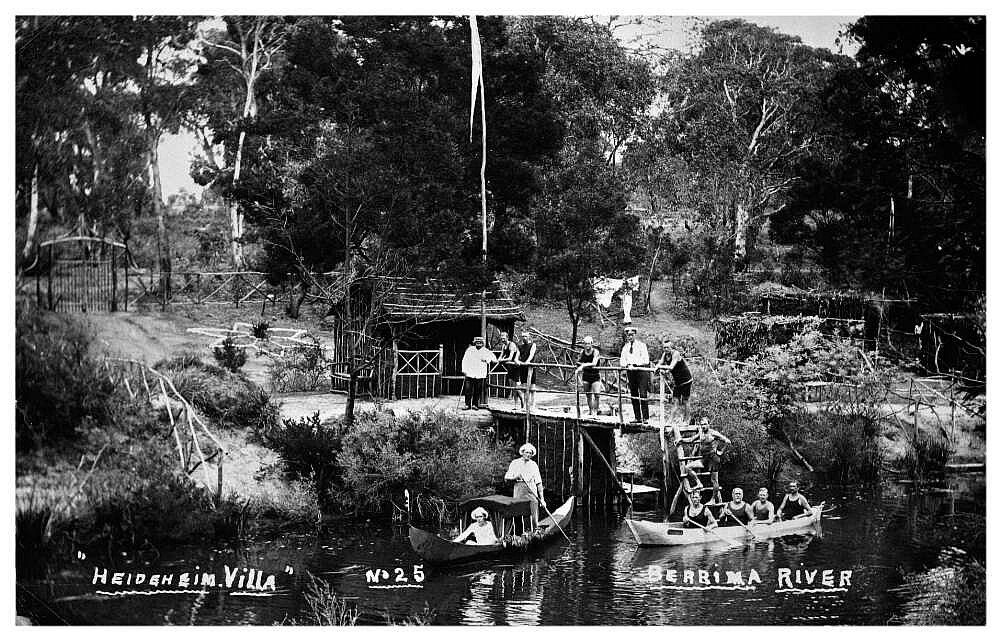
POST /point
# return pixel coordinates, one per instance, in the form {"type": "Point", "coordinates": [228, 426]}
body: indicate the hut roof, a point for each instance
{"type": "Point", "coordinates": [408, 299]}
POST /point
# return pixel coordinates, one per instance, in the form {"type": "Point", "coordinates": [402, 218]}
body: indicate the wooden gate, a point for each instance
{"type": "Point", "coordinates": [81, 274]}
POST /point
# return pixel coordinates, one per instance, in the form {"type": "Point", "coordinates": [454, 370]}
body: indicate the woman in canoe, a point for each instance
{"type": "Point", "coordinates": [528, 480]}
{"type": "Point", "coordinates": [736, 511]}
{"type": "Point", "coordinates": [480, 531]}
{"type": "Point", "coordinates": [763, 509]}
{"type": "Point", "coordinates": [794, 505]}
{"type": "Point", "coordinates": [698, 515]}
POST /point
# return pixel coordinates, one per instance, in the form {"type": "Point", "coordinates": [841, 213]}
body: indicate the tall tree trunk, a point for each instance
{"type": "Point", "coordinates": [352, 385]}
{"type": "Point", "coordinates": [163, 257]}
{"type": "Point", "coordinates": [741, 232]}
{"type": "Point", "coordinates": [574, 318]}
{"type": "Point", "coordinates": [29, 238]}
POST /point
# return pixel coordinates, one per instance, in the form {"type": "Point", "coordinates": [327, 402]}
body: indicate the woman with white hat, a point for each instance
{"type": "Point", "coordinates": [528, 480]}
{"type": "Point", "coordinates": [480, 529]}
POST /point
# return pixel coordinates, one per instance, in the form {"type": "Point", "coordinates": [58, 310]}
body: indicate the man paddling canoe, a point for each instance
{"type": "Point", "coordinates": [794, 505]}
{"type": "Point", "coordinates": [698, 515]}
{"type": "Point", "coordinates": [763, 509]}
{"type": "Point", "coordinates": [736, 511]}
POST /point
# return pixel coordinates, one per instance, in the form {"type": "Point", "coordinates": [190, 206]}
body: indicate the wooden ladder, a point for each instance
{"type": "Point", "coordinates": [682, 475]}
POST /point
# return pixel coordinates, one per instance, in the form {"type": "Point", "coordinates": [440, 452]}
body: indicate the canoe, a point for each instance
{"type": "Point", "coordinates": [650, 533]}
{"type": "Point", "coordinates": [436, 550]}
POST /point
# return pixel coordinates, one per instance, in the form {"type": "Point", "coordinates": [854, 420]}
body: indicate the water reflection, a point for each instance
{"type": "Point", "coordinates": [601, 577]}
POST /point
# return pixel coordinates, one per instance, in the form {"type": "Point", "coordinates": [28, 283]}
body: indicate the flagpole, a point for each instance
{"type": "Point", "coordinates": [477, 83]}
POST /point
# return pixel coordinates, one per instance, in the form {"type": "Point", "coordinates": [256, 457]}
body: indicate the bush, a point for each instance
{"type": "Point", "coordinates": [227, 398]}
{"type": "Point", "coordinates": [230, 356]}
{"type": "Point", "coordinates": [426, 452]}
{"type": "Point", "coordinates": [325, 607]}
{"type": "Point", "coordinates": [953, 593]}
{"type": "Point", "coordinates": [303, 368]}
{"type": "Point", "coordinates": [60, 387]}
{"type": "Point", "coordinates": [309, 451]}
{"type": "Point", "coordinates": [926, 454]}
{"type": "Point", "coordinates": [844, 444]}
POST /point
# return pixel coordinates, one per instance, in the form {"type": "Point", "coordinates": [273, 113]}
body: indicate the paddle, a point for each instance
{"type": "Point", "coordinates": [752, 535]}
{"type": "Point", "coordinates": [531, 492]}
{"type": "Point", "coordinates": [720, 537]}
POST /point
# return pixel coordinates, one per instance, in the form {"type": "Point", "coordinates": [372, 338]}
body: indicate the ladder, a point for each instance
{"type": "Point", "coordinates": [680, 431]}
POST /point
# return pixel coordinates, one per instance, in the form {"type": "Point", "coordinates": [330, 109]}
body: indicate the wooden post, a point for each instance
{"type": "Point", "coordinates": [621, 413]}
{"type": "Point", "coordinates": [607, 464]}
{"type": "Point", "coordinates": [114, 280]}
{"type": "Point", "coordinates": [218, 492]}
{"type": "Point", "coordinates": [52, 264]}
{"type": "Point", "coordinates": [576, 379]}
{"type": "Point", "coordinates": [125, 259]}
{"type": "Point", "coordinates": [663, 440]}
{"type": "Point", "coordinates": [395, 366]}
{"type": "Point", "coordinates": [441, 371]}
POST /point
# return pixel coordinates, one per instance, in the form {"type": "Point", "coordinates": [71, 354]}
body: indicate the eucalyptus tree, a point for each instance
{"type": "Point", "coordinates": [740, 111]}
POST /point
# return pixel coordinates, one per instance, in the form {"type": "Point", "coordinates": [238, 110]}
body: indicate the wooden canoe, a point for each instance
{"type": "Point", "coordinates": [436, 550]}
{"type": "Point", "coordinates": [650, 533]}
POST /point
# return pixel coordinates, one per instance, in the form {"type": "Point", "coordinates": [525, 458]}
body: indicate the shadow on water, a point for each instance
{"type": "Point", "coordinates": [877, 537]}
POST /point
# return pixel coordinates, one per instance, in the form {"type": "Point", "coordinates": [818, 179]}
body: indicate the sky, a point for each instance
{"type": "Point", "coordinates": [176, 151]}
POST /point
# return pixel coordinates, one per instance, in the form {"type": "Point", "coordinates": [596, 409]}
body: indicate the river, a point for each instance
{"type": "Point", "coordinates": [875, 536]}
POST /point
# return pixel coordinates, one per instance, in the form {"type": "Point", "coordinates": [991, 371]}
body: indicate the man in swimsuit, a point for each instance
{"type": "Point", "coordinates": [794, 505]}
{"type": "Point", "coordinates": [673, 361]}
{"type": "Point", "coordinates": [525, 373]}
{"type": "Point", "coordinates": [508, 352]}
{"type": "Point", "coordinates": [711, 457]}
{"type": "Point", "coordinates": [763, 509]}
{"type": "Point", "coordinates": [590, 377]}
{"type": "Point", "coordinates": [697, 514]}
{"type": "Point", "coordinates": [736, 511]}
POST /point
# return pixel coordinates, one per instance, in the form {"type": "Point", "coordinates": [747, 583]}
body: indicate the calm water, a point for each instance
{"type": "Point", "coordinates": [599, 578]}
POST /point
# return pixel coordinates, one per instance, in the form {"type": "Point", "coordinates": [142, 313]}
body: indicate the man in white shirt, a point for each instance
{"type": "Point", "coordinates": [476, 366]}
{"type": "Point", "coordinates": [635, 355]}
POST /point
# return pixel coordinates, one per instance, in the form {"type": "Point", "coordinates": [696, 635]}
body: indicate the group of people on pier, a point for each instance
{"type": "Point", "coordinates": [518, 359]}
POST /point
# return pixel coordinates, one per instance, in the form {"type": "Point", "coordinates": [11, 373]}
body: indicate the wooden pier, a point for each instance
{"type": "Point", "coordinates": [577, 451]}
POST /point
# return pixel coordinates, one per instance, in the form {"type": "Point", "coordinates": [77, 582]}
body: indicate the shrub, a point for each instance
{"type": "Point", "coordinates": [953, 593]}
{"type": "Point", "coordinates": [309, 451]}
{"type": "Point", "coordinates": [845, 444]}
{"type": "Point", "coordinates": [260, 330]}
{"type": "Point", "coordinates": [429, 452]}
{"type": "Point", "coordinates": [325, 607]}
{"type": "Point", "coordinates": [230, 356]}
{"type": "Point", "coordinates": [227, 398]}
{"type": "Point", "coordinates": [60, 387]}
{"type": "Point", "coordinates": [303, 368]}
{"type": "Point", "coordinates": [926, 453]}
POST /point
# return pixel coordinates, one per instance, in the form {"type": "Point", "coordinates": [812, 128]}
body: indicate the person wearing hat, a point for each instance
{"type": "Point", "coordinates": [794, 505]}
{"type": "Point", "coordinates": [590, 377]}
{"type": "Point", "coordinates": [476, 366]}
{"type": "Point", "coordinates": [480, 530]}
{"type": "Point", "coordinates": [524, 373]}
{"type": "Point", "coordinates": [672, 361]}
{"type": "Point", "coordinates": [528, 480]}
{"type": "Point", "coordinates": [635, 356]}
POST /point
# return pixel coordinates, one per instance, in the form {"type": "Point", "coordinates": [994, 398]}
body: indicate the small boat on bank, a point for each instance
{"type": "Point", "coordinates": [651, 533]}
{"type": "Point", "coordinates": [509, 517]}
